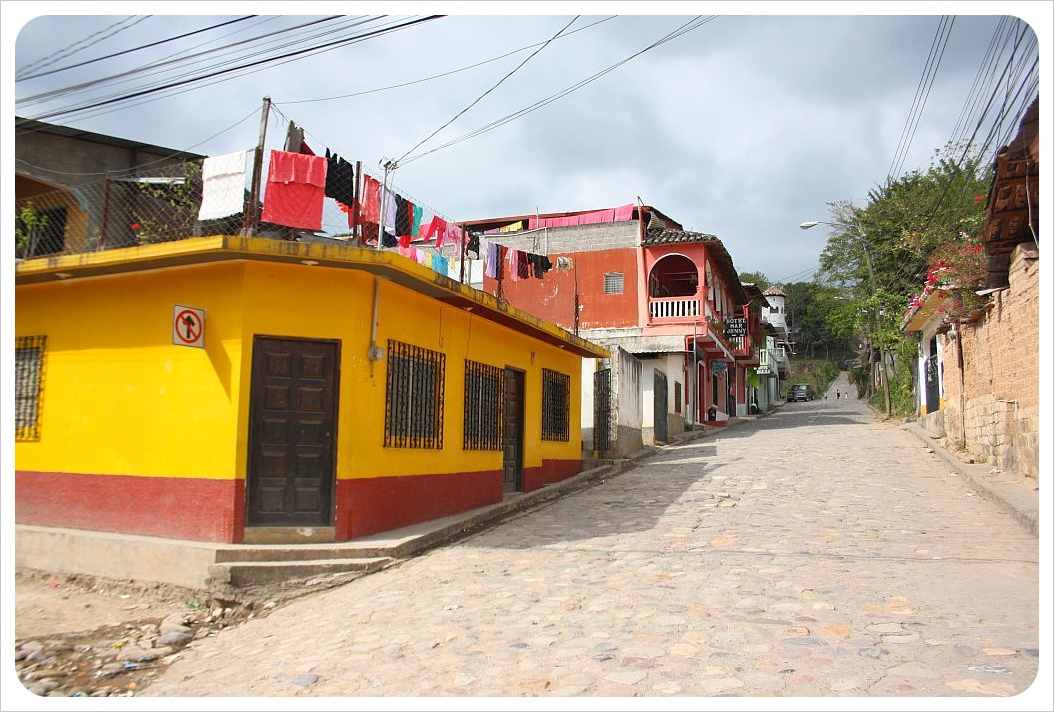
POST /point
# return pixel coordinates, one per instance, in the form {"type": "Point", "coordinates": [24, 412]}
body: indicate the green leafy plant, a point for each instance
{"type": "Point", "coordinates": [168, 211]}
{"type": "Point", "coordinates": [29, 224]}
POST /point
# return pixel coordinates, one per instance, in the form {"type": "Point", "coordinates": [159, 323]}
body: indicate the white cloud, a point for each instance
{"type": "Point", "coordinates": [743, 127]}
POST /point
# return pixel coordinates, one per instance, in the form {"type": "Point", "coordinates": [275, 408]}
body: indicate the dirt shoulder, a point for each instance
{"type": "Point", "coordinates": [48, 603]}
{"type": "Point", "coordinates": [81, 636]}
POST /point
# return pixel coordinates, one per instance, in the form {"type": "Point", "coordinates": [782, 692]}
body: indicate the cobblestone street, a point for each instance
{"type": "Point", "coordinates": [816, 552]}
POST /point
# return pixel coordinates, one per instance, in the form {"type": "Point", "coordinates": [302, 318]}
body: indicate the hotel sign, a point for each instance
{"type": "Point", "coordinates": [735, 327]}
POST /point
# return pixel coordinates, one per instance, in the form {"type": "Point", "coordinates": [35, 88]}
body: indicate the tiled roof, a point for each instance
{"type": "Point", "coordinates": [718, 254]}
{"type": "Point", "coordinates": [1013, 200]}
{"type": "Point", "coordinates": [663, 236]}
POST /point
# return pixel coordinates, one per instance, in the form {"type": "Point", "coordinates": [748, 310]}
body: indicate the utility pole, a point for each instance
{"type": "Point", "coordinates": [874, 290]}
{"type": "Point", "coordinates": [251, 218]}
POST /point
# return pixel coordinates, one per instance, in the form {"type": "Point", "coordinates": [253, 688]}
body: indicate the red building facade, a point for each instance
{"type": "Point", "coordinates": [632, 277]}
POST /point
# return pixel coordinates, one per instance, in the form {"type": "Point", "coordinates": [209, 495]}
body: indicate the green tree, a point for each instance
{"type": "Point", "coordinates": [880, 255]}
{"type": "Point", "coordinates": [167, 210]}
{"type": "Point", "coordinates": [29, 226]}
{"type": "Point", "coordinates": [758, 279]}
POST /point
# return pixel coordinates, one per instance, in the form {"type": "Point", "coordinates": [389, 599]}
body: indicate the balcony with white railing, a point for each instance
{"type": "Point", "coordinates": [673, 308]}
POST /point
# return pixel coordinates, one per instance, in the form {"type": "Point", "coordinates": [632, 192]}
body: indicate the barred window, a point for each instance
{"type": "Point", "coordinates": [613, 283]}
{"type": "Point", "coordinates": [484, 396]}
{"type": "Point", "coordinates": [29, 386]}
{"type": "Point", "coordinates": [556, 405]}
{"type": "Point", "coordinates": [413, 415]}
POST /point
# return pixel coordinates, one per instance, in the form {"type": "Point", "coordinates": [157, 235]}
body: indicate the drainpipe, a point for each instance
{"type": "Point", "coordinates": [375, 352]}
{"type": "Point", "coordinates": [695, 372]}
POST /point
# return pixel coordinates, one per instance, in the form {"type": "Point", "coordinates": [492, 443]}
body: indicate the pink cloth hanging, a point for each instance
{"type": "Point", "coordinates": [607, 215]}
{"type": "Point", "coordinates": [371, 199]}
{"type": "Point", "coordinates": [296, 190]}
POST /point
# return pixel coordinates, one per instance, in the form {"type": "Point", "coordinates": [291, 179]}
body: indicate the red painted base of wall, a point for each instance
{"type": "Point", "coordinates": [374, 505]}
{"type": "Point", "coordinates": [214, 510]}
{"type": "Point", "coordinates": [550, 471]}
{"type": "Point", "coordinates": [174, 507]}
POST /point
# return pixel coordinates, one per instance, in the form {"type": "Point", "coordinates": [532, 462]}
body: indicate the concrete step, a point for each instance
{"type": "Point", "coordinates": [244, 574]}
{"type": "Point", "coordinates": [282, 553]}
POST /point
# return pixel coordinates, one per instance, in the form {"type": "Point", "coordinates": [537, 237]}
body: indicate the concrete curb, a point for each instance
{"type": "Point", "coordinates": [1019, 499]}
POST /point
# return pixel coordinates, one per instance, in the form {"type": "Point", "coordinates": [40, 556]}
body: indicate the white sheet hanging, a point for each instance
{"type": "Point", "coordinates": [222, 185]}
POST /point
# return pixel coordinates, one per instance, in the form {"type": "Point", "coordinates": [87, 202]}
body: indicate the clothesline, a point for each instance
{"type": "Point", "coordinates": [303, 145]}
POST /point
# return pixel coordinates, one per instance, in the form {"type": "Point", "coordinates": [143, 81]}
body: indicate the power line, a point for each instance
{"type": "Point", "coordinates": [140, 166]}
{"type": "Point", "coordinates": [443, 74]}
{"type": "Point", "coordinates": [1024, 91]}
{"type": "Point", "coordinates": [134, 49]}
{"type": "Point", "coordinates": [683, 29]}
{"type": "Point", "coordinates": [480, 98]}
{"type": "Point", "coordinates": [921, 94]}
{"type": "Point", "coordinates": [178, 58]}
{"type": "Point", "coordinates": [90, 113]}
{"type": "Point", "coordinates": [79, 45]}
{"type": "Point", "coordinates": [290, 56]}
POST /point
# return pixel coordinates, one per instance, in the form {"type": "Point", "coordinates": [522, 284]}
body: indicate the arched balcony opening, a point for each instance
{"type": "Point", "coordinates": [673, 288]}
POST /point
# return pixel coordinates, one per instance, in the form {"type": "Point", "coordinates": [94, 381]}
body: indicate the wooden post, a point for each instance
{"type": "Point", "coordinates": [355, 205]}
{"type": "Point", "coordinates": [105, 211]}
{"type": "Point", "coordinates": [251, 218]}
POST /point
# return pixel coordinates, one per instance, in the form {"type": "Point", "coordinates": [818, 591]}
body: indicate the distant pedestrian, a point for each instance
{"type": "Point", "coordinates": [837, 394]}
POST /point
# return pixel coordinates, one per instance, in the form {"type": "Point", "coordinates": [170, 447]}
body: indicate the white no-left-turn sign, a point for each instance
{"type": "Point", "coordinates": [188, 326]}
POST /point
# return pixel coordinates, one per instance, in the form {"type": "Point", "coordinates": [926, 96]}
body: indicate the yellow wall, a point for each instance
{"type": "Point", "coordinates": [121, 398]}
{"type": "Point", "coordinates": [329, 303]}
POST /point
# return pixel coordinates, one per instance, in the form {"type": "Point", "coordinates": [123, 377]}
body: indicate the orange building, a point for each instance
{"type": "Point", "coordinates": [632, 278]}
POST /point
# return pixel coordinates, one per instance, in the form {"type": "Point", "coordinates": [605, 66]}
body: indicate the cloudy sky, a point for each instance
{"type": "Point", "coordinates": [742, 125]}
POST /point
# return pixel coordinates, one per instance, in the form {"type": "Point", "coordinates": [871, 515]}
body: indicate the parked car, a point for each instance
{"type": "Point", "coordinates": [801, 392]}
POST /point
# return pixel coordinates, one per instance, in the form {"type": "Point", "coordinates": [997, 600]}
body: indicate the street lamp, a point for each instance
{"type": "Point", "coordinates": [874, 290]}
{"type": "Point", "coordinates": [863, 243]}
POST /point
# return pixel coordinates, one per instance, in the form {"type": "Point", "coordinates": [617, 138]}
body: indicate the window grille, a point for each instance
{"type": "Point", "coordinates": [676, 396]}
{"type": "Point", "coordinates": [556, 405]}
{"type": "Point", "coordinates": [613, 283]}
{"type": "Point", "coordinates": [29, 386]}
{"type": "Point", "coordinates": [413, 415]}
{"type": "Point", "coordinates": [602, 409]}
{"type": "Point", "coordinates": [484, 399]}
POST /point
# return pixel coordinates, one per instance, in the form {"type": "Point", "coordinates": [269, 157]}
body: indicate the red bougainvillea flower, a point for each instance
{"type": "Point", "coordinates": [135, 226]}
{"type": "Point", "coordinates": [979, 197]}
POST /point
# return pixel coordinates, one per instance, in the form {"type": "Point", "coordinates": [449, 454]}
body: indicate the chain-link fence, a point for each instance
{"type": "Point", "coordinates": [162, 203]}
{"type": "Point", "coordinates": [121, 210]}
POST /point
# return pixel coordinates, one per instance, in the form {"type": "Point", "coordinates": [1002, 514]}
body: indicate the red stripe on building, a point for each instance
{"type": "Point", "coordinates": [549, 472]}
{"type": "Point", "coordinates": [173, 507]}
{"type": "Point", "coordinates": [368, 506]}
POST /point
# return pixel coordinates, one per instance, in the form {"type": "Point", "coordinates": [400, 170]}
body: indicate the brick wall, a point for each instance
{"type": "Point", "coordinates": [995, 410]}
{"type": "Point", "coordinates": [594, 237]}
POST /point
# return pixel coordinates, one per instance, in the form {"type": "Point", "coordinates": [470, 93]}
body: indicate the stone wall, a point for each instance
{"type": "Point", "coordinates": [992, 404]}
